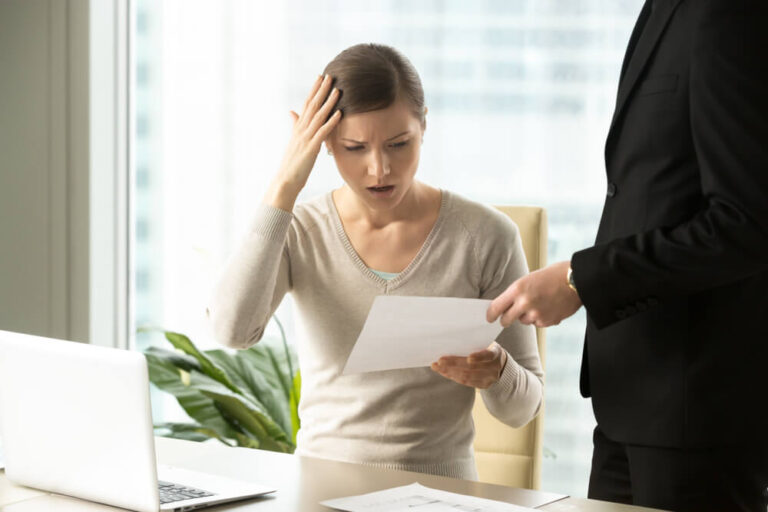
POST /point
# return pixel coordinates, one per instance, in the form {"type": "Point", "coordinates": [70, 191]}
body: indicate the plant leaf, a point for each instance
{"type": "Point", "coordinates": [184, 344]}
{"type": "Point", "coordinates": [258, 383]}
{"type": "Point", "coordinates": [165, 376]}
{"type": "Point", "coordinates": [247, 441]}
{"type": "Point", "coordinates": [270, 436]}
{"type": "Point", "coordinates": [174, 357]}
{"type": "Point", "coordinates": [249, 416]}
{"type": "Point", "coordinates": [294, 405]}
{"type": "Point", "coordinates": [249, 398]}
{"type": "Point", "coordinates": [188, 432]}
{"type": "Point", "coordinates": [287, 353]}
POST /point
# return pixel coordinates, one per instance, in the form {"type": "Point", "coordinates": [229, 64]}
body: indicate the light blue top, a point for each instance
{"type": "Point", "coordinates": [387, 276]}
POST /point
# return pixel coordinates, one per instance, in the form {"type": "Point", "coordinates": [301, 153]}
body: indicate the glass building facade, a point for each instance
{"type": "Point", "coordinates": [520, 95]}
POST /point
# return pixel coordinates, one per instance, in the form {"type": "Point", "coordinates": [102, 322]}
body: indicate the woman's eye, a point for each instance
{"type": "Point", "coordinates": [353, 148]}
{"type": "Point", "coordinates": [400, 144]}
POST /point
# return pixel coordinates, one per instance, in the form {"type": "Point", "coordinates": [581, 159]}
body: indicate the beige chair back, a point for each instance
{"type": "Point", "coordinates": [506, 455]}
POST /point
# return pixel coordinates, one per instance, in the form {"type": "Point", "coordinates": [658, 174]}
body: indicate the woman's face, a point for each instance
{"type": "Point", "coordinates": [377, 153]}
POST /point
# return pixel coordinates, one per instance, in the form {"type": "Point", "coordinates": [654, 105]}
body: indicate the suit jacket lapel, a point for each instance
{"type": "Point", "coordinates": [642, 19]}
{"type": "Point", "coordinates": [654, 27]}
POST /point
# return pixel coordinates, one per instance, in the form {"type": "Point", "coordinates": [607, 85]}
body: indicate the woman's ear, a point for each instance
{"type": "Point", "coordinates": [424, 122]}
{"type": "Point", "coordinates": [328, 145]}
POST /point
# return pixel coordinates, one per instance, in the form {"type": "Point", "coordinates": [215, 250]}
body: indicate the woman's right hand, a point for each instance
{"type": "Point", "coordinates": [310, 129]}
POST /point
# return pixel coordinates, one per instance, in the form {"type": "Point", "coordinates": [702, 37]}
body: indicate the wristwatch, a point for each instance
{"type": "Point", "coordinates": [569, 277]}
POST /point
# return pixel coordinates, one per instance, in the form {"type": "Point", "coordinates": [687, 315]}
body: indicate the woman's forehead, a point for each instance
{"type": "Point", "coordinates": [378, 124]}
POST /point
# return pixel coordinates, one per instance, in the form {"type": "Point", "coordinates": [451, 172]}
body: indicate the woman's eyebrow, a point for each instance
{"type": "Point", "coordinates": [361, 142]}
{"type": "Point", "coordinates": [399, 135]}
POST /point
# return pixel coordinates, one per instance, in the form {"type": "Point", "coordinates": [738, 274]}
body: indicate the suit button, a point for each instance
{"type": "Point", "coordinates": [611, 190]}
{"type": "Point", "coordinates": [653, 301]}
{"type": "Point", "coordinates": [621, 314]}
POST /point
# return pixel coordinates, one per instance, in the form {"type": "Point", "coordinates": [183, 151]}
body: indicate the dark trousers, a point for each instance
{"type": "Point", "coordinates": [721, 479]}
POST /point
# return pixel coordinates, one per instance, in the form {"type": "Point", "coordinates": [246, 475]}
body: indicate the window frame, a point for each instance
{"type": "Point", "coordinates": [110, 125]}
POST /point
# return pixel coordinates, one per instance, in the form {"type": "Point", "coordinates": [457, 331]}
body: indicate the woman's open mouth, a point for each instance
{"type": "Point", "coordinates": [383, 191]}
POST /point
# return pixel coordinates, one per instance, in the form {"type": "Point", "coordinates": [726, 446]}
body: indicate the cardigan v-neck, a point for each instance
{"type": "Point", "coordinates": [401, 276]}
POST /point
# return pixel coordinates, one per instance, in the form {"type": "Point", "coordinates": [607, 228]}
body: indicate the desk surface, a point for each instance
{"type": "Point", "coordinates": [302, 483]}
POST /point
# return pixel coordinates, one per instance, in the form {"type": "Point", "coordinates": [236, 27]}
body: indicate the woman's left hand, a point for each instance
{"type": "Point", "coordinates": [478, 370]}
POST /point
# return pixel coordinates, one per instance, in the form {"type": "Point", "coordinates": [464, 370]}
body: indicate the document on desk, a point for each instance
{"type": "Point", "coordinates": [409, 332]}
{"type": "Point", "coordinates": [418, 498]}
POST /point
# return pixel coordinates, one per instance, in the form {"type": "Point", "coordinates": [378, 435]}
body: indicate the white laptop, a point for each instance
{"type": "Point", "coordinates": [75, 419]}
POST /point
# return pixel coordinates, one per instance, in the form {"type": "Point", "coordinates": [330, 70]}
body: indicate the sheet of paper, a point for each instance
{"type": "Point", "coordinates": [409, 332]}
{"type": "Point", "coordinates": [418, 498]}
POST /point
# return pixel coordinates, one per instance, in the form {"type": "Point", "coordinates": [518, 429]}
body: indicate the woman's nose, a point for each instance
{"type": "Point", "coordinates": [378, 164]}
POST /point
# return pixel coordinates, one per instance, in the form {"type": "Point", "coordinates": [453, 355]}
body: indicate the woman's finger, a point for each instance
{"type": "Point", "coordinates": [483, 356]}
{"type": "Point", "coordinates": [488, 362]}
{"type": "Point", "coordinates": [453, 362]}
{"type": "Point", "coordinates": [327, 128]}
{"type": "Point", "coordinates": [318, 82]}
{"type": "Point", "coordinates": [317, 101]}
{"type": "Point", "coordinates": [321, 116]}
{"type": "Point", "coordinates": [476, 379]}
{"type": "Point", "coordinates": [481, 379]}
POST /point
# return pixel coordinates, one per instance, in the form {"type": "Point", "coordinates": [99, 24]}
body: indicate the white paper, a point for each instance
{"type": "Point", "coordinates": [418, 498]}
{"type": "Point", "coordinates": [409, 332]}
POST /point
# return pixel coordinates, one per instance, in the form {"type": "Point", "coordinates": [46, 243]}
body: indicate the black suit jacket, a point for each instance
{"type": "Point", "coordinates": [676, 286]}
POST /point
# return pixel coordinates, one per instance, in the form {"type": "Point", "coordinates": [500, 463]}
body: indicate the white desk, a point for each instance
{"type": "Point", "coordinates": [302, 482]}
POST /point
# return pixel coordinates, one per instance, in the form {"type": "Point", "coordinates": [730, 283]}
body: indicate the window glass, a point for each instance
{"type": "Point", "coordinates": [520, 95]}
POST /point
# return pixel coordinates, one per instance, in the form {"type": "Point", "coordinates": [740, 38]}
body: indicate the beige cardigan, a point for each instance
{"type": "Point", "coordinates": [411, 419]}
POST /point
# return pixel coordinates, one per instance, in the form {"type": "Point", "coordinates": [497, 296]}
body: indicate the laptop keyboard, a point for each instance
{"type": "Point", "coordinates": [170, 492]}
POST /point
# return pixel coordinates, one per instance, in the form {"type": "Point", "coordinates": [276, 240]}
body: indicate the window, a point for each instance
{"type": "Point", "coordinates": [520, 94]}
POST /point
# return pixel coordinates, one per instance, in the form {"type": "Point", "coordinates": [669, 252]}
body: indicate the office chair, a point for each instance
{"type": "Point", "coordinates": [506, 455]}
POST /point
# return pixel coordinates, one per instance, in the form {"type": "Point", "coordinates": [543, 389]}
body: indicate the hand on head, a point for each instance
{"type": "Point", "coordinates": [310, 129]}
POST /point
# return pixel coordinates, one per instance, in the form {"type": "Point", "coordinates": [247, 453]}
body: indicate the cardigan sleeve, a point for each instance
{"type": "Point", "coordinates": [516, 397]}
{"type": "Point", "coordinates": [254, 281]}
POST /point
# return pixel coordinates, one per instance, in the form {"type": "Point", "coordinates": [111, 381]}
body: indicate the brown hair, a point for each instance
{"type": "Point", "coordinates": [372, 77]}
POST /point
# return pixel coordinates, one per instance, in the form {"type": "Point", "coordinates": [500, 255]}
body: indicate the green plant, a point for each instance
{"type": "Point", "coordinates": [249, 398]}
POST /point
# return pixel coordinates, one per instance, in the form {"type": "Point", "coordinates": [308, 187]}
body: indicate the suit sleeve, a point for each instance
{"type": "Point", "coordinates": [727, 240]}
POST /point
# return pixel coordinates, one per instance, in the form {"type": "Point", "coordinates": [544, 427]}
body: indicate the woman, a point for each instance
{"type": "Point", "coordinates": [381, 233]}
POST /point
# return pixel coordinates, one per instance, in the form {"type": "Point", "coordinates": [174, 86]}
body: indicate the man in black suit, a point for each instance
{"type": "Point", "coordinates": [676, 285]}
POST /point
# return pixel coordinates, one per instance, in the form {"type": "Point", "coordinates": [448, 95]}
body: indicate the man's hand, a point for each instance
{"type": "Point", "coordinates": [478, 370]}
{"type": "Point", "coordinates": [542, 298]}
